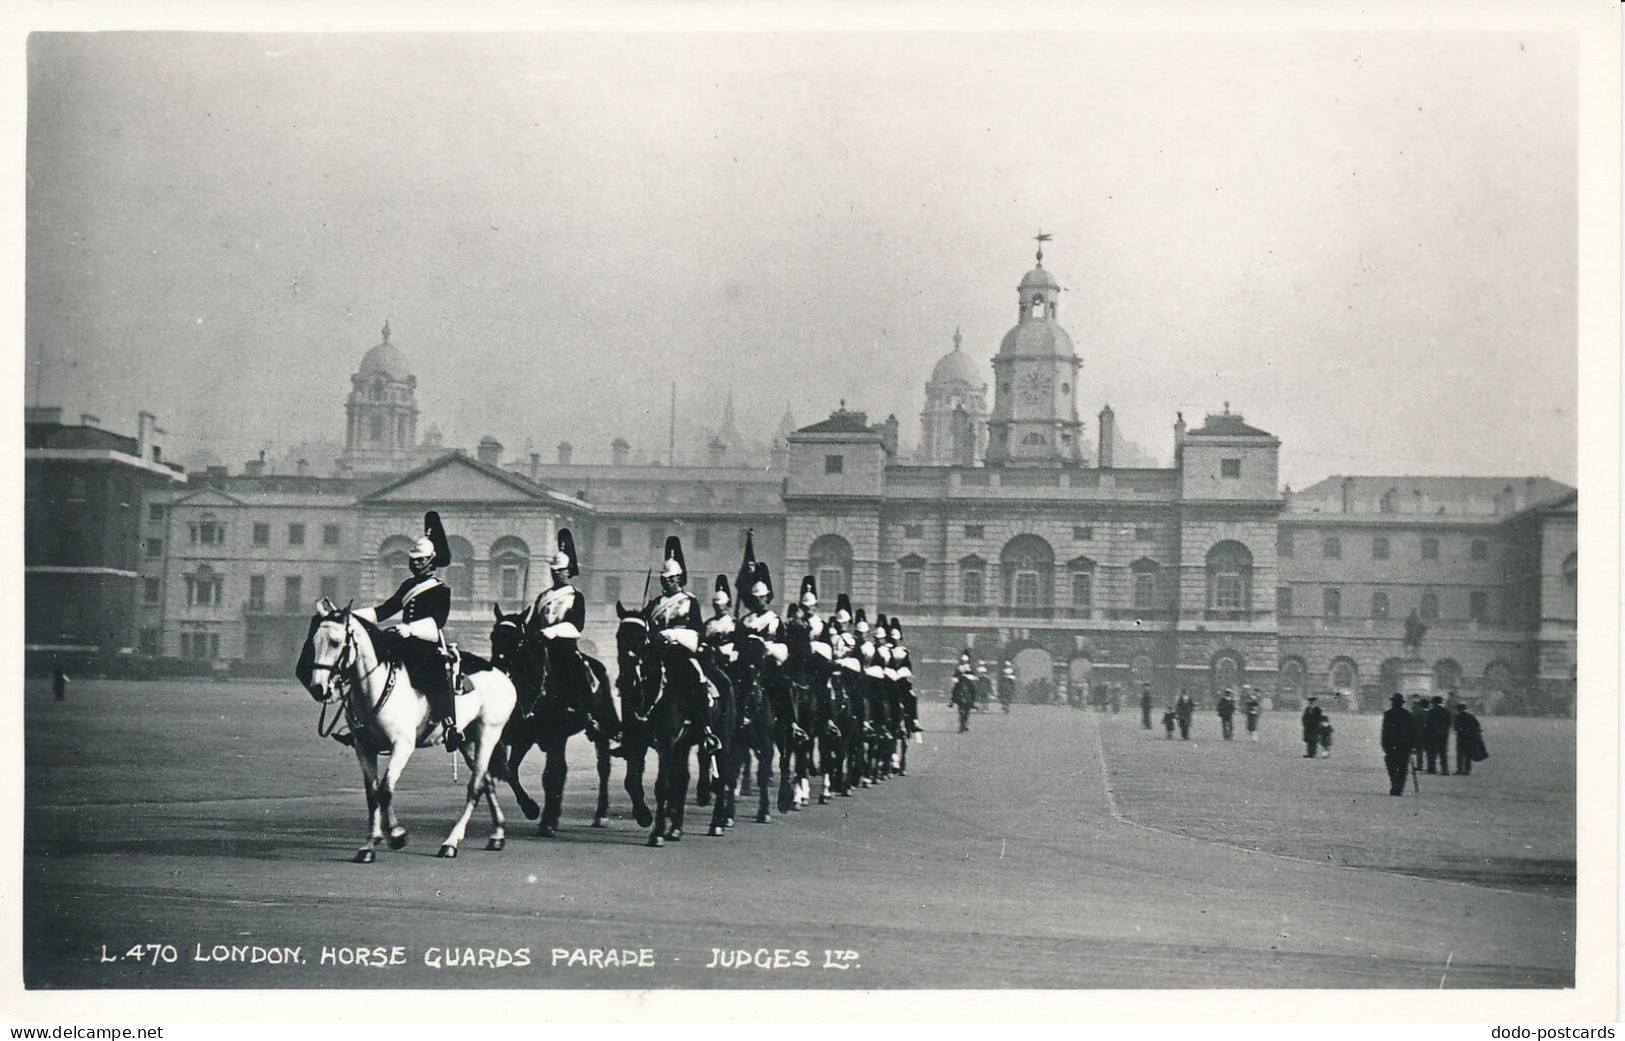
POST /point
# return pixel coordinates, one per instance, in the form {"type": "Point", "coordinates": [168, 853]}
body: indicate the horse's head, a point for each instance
{"type": "Point", "coordinates": [329, 649]}
{"type": "Point", "coordinates": [507, 637]}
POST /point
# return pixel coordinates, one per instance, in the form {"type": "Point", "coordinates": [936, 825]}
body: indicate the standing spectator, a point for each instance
{"type": "Point", "coordinates": [1325, 736]}
{"type": "Point", "coordinates": [1145, 706]}
{"type": "Point", "coordinates": [1419, 717]}
{"type": "Point", "coordinates": [1184, 709]}
{"type": "Point", "coordinates": [1437, 736]}
{"type": "Point", "coordinates": [983, 682]}
{"type": "Point", "coordinates": [1007, 687]}
{"type": "Point", "coordinates": [1253, 709]}
{"type": "Point", "coordinates": [1227, 714]}
{"type": "Point", "coordinates": [1469, 740]}
{"type": "Point", "coordinates": [963, 695]}
{"type": "Point", "coordinates": [1312, 718]}
{"type": "Point", "coordinates": [1399, 735]}
{"type": "Point", "coordinates": [59, 683]}
{"type": "Point", "coordinates": [1170, 719]}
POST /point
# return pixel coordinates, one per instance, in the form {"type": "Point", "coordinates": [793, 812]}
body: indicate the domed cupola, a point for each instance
{"type": "Point", "coordinates": [953, 427]}
{"type": "Point", "coordinates": [1035, 409]}
{"type": "Point", "coordinates": [381, 412]}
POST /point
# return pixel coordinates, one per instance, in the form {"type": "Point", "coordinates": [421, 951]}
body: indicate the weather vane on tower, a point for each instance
{"type": "Point", "coordinates": [1042, 238]}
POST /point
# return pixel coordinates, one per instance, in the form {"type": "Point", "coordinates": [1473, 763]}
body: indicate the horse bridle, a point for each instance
{"type": "Point", "coordinates": [338, 665]}
{"type": "Point", "coordinates": [346, 661]}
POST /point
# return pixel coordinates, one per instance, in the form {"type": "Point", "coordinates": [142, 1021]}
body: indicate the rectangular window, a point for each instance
{"type": "Point", "coordinates": [1227, 592]}
{"type": "Point", "coordinates": [1083, 534]}
{"type": "Point", "coordinates": [1145, 591]}
{"type": "Point", "coordinates": [1332, 548]}
{"type": "Point", "coordinates": [1332, 603]}
{"type": "Point", "coordinates": [1144, 534]}
{"type": "Point", "coordinates": [155, 548]}
{"type": "Point", "coordinates": [1229, 467]}
{"type": "Point", "coordinates": [1379, 604]}
{"type": "Point", "coordinates": [1283, 543]}
{"type": "Point", "coordinates": [973, 531]}
{"type": "Point", "coordinates": [292, 596]}
{"type": "Point", "coordinates": [256, 592]}
{"type": "Point", "coordinates": [612, 587]}
{"type": "Point", "coordinates": [211, 534]}
{"type": "Point", "coordinates": [330, 534]}
{"type": "Point", "coordinates": [150, 590]}
{"type": "Point", "coordinates": [262, 534]}
{"type": "Point", "coordinates": [913, 592]}
{"type": "Point", "coordinates": [612, 537]}
{"type": "Point", "coordinates": [1027, 589]}
{"type": "Point", "coordinates": [1083, 590]}
{"type": "Point", "coordinates": [1478, 607]}
{"type": "Point", "coordinates": [1429, 606]}
{"type": "Point", "coordinates": [509, 583]}
{"type": "Point", "coordinates": [1379, 548]}
{"type": "Point", "coordinates": [702, 538]}
{"type": "Point", "coordinates": [1283, 601]}
{"type": "Point", "coordinates": [1430, 549]}
{"type": "Point", "coordinates": [834, 464]}
{"type": "Point", "coordinates": [914, 531]}
{"type": "Point", "coordinates": [155, 511]}
{"type": "Point", "coordinates": [330, 586]}
{"type": "Point", "coordinates": [149, 642]}
{"type": "Point", "coordinates": [970, 587]}
{"type": "Point", "coordinates": [296, 534]}
{"type": "Point", "coordinates": [1481, 549]}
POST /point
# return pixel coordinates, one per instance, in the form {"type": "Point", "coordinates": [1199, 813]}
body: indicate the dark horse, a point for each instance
{"type": "Point", "coordinates": [760, 705]}
{"type": "Point", "coordinates": [655, 714]}
{"type": "Point", "coordinates": [546, 719]}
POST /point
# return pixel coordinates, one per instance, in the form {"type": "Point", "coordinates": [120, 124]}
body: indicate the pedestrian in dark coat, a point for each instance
{"type": "Point", "coordinates": [1227, 714]}
{"type": "Point", "coordinates": [1184, 710]}
{"type": "Point", "coordinates": [59, 684]}
{"type": "Point", "coordinates": [1438, 737]}
{"type": "Point", "coordinates": [1469, 740]}
{"type": "Point", "coordinates": [1170, 719]}
{"type": "Point", "coordinates": [1312, 718]}
{"type": "Point", "coordinates": [1254, 709]}
{"type": "Point", "coordinates": [1419, 716]}
{"type": "Point", "coordinates": [1399, 736]}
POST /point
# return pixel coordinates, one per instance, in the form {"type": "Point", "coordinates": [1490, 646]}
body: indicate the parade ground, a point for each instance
{"type": "Point", "coordinates": [191, 834]}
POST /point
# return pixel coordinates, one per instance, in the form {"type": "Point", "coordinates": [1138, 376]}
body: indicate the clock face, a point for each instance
{"type": "Point", "coordinates": [1035, 388]}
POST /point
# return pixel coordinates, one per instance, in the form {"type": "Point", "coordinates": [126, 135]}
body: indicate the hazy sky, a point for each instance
{"type": "Point", "coordinates": [1366, 242]}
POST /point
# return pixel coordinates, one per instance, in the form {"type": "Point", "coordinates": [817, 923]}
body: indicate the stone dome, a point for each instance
{"type": "Point", "coordinates": [956, 367]}
{"type": "Point", "coordinates": [1038, 278]}
{"type": "Point", "coordinates": [386, 359]}
{"type": "Point", "coordinates": [1037, 337]}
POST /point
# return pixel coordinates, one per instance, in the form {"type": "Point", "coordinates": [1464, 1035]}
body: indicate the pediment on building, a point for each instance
{"type": "Point", "coordinates": [456, 478]}
{"type": "Point", "coordinates": [207, 497]}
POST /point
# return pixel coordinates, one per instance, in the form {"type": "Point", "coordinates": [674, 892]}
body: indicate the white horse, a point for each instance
{"type": "Point", "coordinates": [387, 715]}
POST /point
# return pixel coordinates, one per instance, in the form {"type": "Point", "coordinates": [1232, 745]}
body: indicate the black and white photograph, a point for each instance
{"type": "Point", "coordinates": [1045, 500]}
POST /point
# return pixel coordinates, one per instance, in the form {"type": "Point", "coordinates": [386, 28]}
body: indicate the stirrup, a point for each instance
{"type": "Point", "coordinates": [347, 739]}
{"type": "Point", "coordinates": [453, 737]}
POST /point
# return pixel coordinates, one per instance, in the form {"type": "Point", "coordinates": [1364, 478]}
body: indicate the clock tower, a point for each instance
{"type": "Point", "coordinates": [1035, 398]}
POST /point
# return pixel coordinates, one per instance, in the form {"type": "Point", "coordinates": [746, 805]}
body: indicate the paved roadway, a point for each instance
{"type": "Point", "coordinates": [200, 818]}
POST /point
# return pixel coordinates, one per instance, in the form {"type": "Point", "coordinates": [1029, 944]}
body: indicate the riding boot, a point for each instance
{"type": "Point", "coordinates": [453, 736]}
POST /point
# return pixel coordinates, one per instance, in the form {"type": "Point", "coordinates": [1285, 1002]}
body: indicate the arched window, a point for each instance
{"type": "Point", "coordinates": [1229, 578]}
{"type": "Point", "coordinates": [1429, 608]}
{"type": "Point", "coordinates": [1038, 306]}
{"type": "Point", "coordinates": [510, 571]}
{"type": "Point", "coordinates": [830, 558]}
{"type": "Point", "coordinates": [911, 579]}
{"type": "Point", "coordinates": [972, 581]}
{"type": "Point", "coordinates": [1344, 676]}
{"type": "Point", "coordinates": [1294, 681]}
{"type": "Point", "coordinates": [1147, 575]}
{"type": "Point", "coordinates": [459, 575]}
{"type": "Point", "coordinates": [1027, 565]}
{"type": "Point", "coordinates": [392, 556]}
{"type": "Point", "coordinates": [1446, 675]}
{"type": "Point", "coordinates": [1227, 672]}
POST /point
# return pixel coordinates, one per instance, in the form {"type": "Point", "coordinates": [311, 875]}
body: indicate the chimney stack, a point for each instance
{"type": "Point", "coordinates": [489, 451]}
{"type": "Point", "coordinates": [536, 466]}
{"type": "Point", "coordinates": [566, 449]}
{"type": "Point", "coordinates": [255, 467]}
{"type": "Point", "coordinates": [1348, 495]}
{"type": "Point", "coordinates": [1108, 436]}
{"type": "Point", "coordinates": [715, 451]}
{"type": "Point", "coordinates": [619, 450]}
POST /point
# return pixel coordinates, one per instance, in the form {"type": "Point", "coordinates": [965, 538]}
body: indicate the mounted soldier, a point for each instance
{"type": "Point", "coordinates": [675, 629]}
{"type": "Point", "coordinates": [903, 673]}
{"type": "Point", "coordinates": [556, 619]}
{"type": "Point", "coordinates": [424, 603]}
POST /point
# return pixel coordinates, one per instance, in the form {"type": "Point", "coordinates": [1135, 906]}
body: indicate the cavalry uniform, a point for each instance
{"type": "Point", "coordinates": [903, 673]}
{"type": "Point", "coordinates": [557, 618]}
{"type": "Point", "coordinates": [675, 630]}
{"type": "Point", "coordinates": [721, 628]}
{"type": "Point", "coordinates": [424, 604]}
{"type": "Point", "coordinates": [964, 691]}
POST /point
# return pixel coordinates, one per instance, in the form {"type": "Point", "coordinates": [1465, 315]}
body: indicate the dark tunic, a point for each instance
{"type": "Point", "coordinates": [417, 599]}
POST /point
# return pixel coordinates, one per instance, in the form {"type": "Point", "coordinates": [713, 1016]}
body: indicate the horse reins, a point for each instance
{"type": "Point", "coordinates": [350, 717]}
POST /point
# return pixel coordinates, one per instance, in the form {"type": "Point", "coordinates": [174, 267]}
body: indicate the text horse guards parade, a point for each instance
{"type": "Point", "coordinates": [830, 700]}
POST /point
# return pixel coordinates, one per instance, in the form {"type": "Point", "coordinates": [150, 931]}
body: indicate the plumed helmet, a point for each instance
{"type": "Point", "coordinates": [674, 566]}
{"type": "Point", "coordinates": [896, 628]}
{"type": "Point", "coordinates": [809, 592]}
{"type": "Point", "coordinates": [843, 605]}
{"type": "Point", "coordinates": [747, 566]}
{"type": "Point", "coordinates": [721, 597]}
{"type": "Point", "coordinates": [880, 623]}
{"type": "Point", "coordinates": [433, 542]}
{"type": "Point", "coordinates": [863, 621]}
{"type": "Point", "coordinates": [965, 654]}
{"type": "Point", "coordinates": [565, 560]}
{"type": "Point", "coordinates": [761, 582]}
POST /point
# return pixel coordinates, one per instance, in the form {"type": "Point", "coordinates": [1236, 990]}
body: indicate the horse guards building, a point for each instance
{"type": "Point", "coordinates": [1001, 535]}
